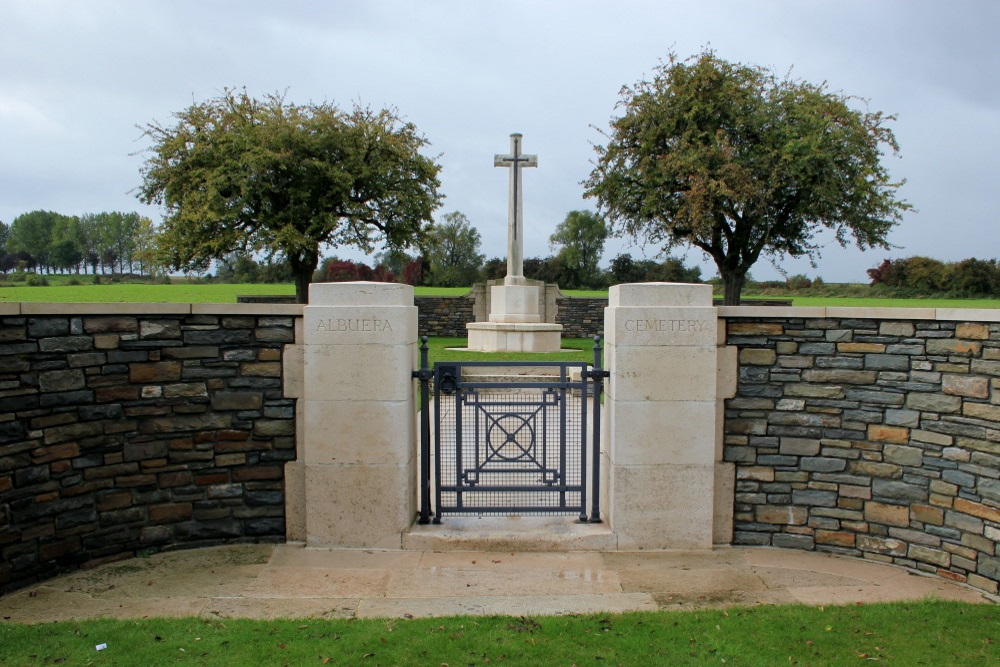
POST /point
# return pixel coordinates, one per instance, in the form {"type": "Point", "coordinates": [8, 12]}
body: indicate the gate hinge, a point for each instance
{"type": "Point", "coordinates": [597, 373]}
{"type": "Point", "coordinates": [423, 374]}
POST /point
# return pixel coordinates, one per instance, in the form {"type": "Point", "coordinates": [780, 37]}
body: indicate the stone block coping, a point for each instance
{"type": "Point", "coordinates": [819, 312]}
{"type": "Point", "coordinates": [33, 308]}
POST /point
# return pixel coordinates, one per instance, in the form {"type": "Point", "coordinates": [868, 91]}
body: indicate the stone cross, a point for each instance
{"type": "Point", "coordinates": [515, 214]}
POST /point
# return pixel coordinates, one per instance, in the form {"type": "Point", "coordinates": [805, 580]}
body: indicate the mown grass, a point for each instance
{"type": "Point", "coordinates": [912, 633]}
{"type": "Point", "coordinates": [182, 292]}
{"type": "Point", "coordinates": [875, 302]}
{"type": "Point", "coordinates": [453, 349]}
{"type": "Point", "coordinates": [187, 292]}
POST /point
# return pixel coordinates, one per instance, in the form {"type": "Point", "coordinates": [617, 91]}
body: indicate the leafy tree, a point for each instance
{"type": "Point", "coordinates": [339, 271]}
{"type": "Point", "coordinates": [32, 233]}
{"type": "Point", "coordinates": [739, 163]}
{"type": "Point", "coordinates": [579, 241]}
{"type": "Point", "coordinates": [145, 246]}
{"type": "Point", "coordinates": [394, 259]}
{"type": "Point", "coordinates": [494, 269]}
{"type": "Point", "coordinates": [4, 235]}
{"type": "Point", "coordinates": [414, 272]}
{"type": "Point", "coordinates": [452, 250]}
{"type": "Point", "coordinates": [269, 176]}
{"type": "Point", "coordinates": [624, 269]}
{"type": "Point", "coordinates": [974, 276]}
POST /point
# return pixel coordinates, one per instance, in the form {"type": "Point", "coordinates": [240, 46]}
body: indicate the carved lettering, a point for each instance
{"type": "Point", "coordinates": [362, 324]}
{"type": "Point", "coordinates": [668, 326]}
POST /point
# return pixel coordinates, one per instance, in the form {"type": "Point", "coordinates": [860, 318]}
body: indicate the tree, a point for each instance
{"type": "Point", "coordinates": [739, 163]}
{"type": "Point", "coordinates": [395, 260]}
{"type": "Point", "coordinates": [452, 250]}
{"type": "Point", "coordinates": [4, 235]}
{"type": "Point", "coordinates": [145, 244]}
{"type": "Point", "coordinates": [579, 241]}
{"type": "Point", "coordinates": [32, 233]}
{"type": "Point", "coordinates": [238, 173]}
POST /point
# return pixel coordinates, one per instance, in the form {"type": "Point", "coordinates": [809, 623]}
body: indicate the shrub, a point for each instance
{"type": "Point", "coordinates": [799, 281]}
{"type": "Point", "coordinates": [36, 280]}
{"type": "Point", "coordinates": [974, 276]}
{"type": "Point", "coordinates": [413, 272]}
{"type": "Point", "coordinates": [925, 274]}
{"type": "Point", "coordinates": [341, 271]}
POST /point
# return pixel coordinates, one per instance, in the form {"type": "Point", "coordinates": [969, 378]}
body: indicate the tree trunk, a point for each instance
{"type": "Point", "coordinates": [303, 267]}
{"type": "Point", "coordinates": [732, 285]}
{"type": "Point", "coordinates": [302, 279]}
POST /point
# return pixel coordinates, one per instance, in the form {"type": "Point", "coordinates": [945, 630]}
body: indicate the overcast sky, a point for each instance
{"type": "Point", "coordinates": [76, 78]}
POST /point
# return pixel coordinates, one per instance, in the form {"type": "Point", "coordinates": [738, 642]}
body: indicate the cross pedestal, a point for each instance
{"type": "Point", "coordinates": [515, 323]}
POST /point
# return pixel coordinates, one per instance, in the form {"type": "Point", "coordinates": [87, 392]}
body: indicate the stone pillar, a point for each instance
{"type": "Point", "coordinates": [659, 447]}
{"type": "Point", "coordinates": [359, 350]}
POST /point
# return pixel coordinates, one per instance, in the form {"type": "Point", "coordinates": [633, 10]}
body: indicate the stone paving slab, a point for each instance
{"type": "Point", "coordinates": [520, 605]}
{"type": "Point", "coordinates": [290, 581]}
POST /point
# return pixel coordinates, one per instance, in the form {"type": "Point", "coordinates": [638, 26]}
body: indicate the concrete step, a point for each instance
{"type": "Point", "coordinates": [510, 533]}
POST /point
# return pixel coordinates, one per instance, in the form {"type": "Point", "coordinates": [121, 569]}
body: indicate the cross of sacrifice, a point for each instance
{"type": "Point", "coordinates": [515, 215]}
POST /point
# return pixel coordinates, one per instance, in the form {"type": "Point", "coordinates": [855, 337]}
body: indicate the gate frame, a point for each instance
{"type": "Point", "coordinates": [591, 384]}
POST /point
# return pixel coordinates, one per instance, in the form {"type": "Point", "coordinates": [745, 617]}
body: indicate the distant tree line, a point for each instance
{"type": "Point", "coordinates": [924, 275]}
{"type": "Point", "coordinates": [450, 256]}
{"type": "Point", "coordinates": [106, 243]}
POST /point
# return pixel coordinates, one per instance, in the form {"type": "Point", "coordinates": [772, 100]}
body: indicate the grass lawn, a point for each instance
{"type": "Point", "coordinates": [918, 633]}
{"type": "Point", "coordinates": [441, 349]}
{"type": "Point", "coordinates": [186, 292]}
{"type": "Point", "coordinates": [139, 293]}
{"type": "Point", "coordinates": [874, 302]}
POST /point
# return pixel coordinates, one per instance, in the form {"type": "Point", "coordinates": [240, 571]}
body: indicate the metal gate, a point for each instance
{"type": "Point", "coordinates": [510, 437]}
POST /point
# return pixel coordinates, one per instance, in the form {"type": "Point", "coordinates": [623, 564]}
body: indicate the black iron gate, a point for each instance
{"type": "Point", "coordinates": [510, 437]}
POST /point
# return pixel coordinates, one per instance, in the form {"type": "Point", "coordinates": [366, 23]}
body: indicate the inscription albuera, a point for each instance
{"type": "Point", "coordinates": [361, 324]}
{"type": "Point", "coordinates": [667, 326]}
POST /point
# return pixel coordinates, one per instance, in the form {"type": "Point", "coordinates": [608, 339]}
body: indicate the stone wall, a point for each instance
{"type": "Point", "coordinates": [581, 317]}
{"type": "Point", "coordinates": [444, 316]}
{"type": "Point", "coordinates": [139, 428]}
{"type": "Point", "coordinates": [872, 434]}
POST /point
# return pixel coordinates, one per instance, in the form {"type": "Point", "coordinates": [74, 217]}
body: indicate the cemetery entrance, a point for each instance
{"type": "Point", "coordinates": [510, 438]}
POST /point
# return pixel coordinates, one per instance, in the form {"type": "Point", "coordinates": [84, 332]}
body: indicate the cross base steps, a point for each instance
{"type": "Point", "coordinates": [514, 337]}
{"type": "Point", "coordinates": [511, 533]}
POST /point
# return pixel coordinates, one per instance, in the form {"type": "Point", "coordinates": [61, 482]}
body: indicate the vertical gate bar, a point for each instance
{"type": "Point", "coordinates": [479, 455]}
{"type": "Point", "coordinates": [458, 440]}
{"type": "Point", "coordinates": [425, 435]}
{"type": "Point", "coordinates": [598, 376]}
{"type": "Point", "coordinates": [563, 373]}
{"type": "Point", "coordinates": [437, 446]}
{"type": "Point", "coordinates": [584, 384]}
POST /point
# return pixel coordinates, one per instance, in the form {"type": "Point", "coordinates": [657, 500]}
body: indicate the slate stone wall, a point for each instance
{"type": "Point", "coordinates": [581, 317]}
{"type": "Point", "coordinates": [444, 316]}
{"type": "Point", "coordinates": [128, 433]}
{"type": "Point", "coordinates": [871, 438]}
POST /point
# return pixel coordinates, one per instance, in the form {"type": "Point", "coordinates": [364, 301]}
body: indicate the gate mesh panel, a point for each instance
{"type": "Point", "coordinates": [504, 451]}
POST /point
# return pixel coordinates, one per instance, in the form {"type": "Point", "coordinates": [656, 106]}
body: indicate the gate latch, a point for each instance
{"type": "Point", "coordinates": [448, 379]}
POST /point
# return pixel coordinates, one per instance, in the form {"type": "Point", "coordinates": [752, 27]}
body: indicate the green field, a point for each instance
{"type": "Point", "coordinates": [188, 292]}
{"type": "Point", "coordinates": [912, 633]}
